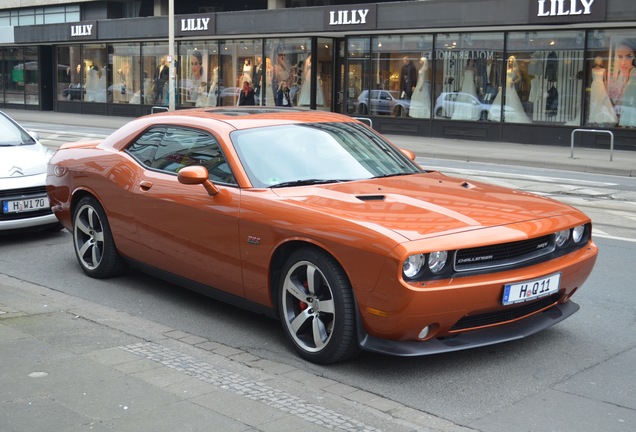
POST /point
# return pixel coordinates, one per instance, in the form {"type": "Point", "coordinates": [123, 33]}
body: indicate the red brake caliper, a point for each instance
{"type": "Point", "coordinates": [301, 303]}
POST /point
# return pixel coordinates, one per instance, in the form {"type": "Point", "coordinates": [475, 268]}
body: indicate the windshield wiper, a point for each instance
{"type": "Point", "coordinates": [306, 182]}
{"type": "Point", "coordinates": [393, 175]}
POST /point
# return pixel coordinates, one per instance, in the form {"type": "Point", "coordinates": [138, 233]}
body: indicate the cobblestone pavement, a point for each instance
{"type": "Point", "coordinates": [70, 364]}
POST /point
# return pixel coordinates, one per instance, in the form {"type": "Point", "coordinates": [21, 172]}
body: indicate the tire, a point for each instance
{"type": "Point", "coordinates": [93, 241]}
{"type": "Point", "coordinates": [318, 318]}
{"type": "Point", "coordinates": [362, 109]}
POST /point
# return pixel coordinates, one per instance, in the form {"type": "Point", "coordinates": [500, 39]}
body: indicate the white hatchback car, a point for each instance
{"type": "Point", "coordinates": [24, 203]}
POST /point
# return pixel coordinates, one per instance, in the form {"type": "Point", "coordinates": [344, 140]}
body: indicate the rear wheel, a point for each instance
{"type": "Point", "coordinates": [316, 307]}
{"type": "Point", "coordinates": [362, 109]}
{"type": "Point", "coordinates": [93, 241]}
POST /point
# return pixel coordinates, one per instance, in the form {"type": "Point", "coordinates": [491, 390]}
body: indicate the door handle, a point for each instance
{"type": "Point", "coordinates": [145, 185]}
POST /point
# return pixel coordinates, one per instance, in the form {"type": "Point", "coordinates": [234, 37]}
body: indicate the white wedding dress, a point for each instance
{"type": "Point", "coordinates": [513, 112]}
{"type": "Point", "coordinates": [421, 97]}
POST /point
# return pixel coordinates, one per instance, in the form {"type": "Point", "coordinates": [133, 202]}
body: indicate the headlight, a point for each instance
{"type": "Point", "coordinates": [562, 237]}
{"type": "Point", "coordinates": [437, 261]}
{"type": "Point", "coordinates": [577, 233]}
{"type": "Point", "coordinates": [412, 265]}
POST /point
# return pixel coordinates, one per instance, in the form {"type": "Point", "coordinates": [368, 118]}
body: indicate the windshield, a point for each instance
{"type": "Point", "coordinates": [12, 135]}
{"type": "Point", "coordinates": [301, 154]}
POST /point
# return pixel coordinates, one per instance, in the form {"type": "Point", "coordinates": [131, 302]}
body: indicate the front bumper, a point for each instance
{"type": "Point", "coordinates": [470, 339]}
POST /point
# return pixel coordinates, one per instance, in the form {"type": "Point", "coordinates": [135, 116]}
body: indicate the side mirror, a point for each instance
{"type": "Point", "coordinates": [34, 135]}
{"type": "Point", "coordinates": [197, 175]}
{"type": "Point", "coordinates": [409, 154]}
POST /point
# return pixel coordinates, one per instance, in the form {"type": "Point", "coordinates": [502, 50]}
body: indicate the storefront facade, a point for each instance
{"type": "Point", "coordinates": [527, 71]}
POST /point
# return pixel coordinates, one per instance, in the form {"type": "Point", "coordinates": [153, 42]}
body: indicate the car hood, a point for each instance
{"type": "Point", "coordinates": [22, 161]}
{"type": "Point", "coordinates": [423, 205]}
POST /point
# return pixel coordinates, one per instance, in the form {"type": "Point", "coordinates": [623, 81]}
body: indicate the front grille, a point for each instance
{"type": "Point", "coordinates": [506, 254]}
{"type": "Point", "coordinates": [504, 315]}
{"type": "Point", "coordinates": [18, 193]}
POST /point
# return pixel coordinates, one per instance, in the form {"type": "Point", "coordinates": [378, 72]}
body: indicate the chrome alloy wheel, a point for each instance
{"type": "Point", "coordinates": [308, 307]}
{"type": "Point", "coordinates": [88, 233]}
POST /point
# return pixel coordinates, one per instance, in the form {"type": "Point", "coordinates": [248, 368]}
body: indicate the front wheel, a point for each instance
{"type": "Point", "coordinates": [93, 241]}
{"type": "Point", "coordinates": [316, 307]}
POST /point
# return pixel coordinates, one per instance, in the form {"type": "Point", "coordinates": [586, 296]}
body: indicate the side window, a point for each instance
{"type": "Point", "coordinates": [181, 147]}
{"type": "Point", "coordinates": [145, 148]}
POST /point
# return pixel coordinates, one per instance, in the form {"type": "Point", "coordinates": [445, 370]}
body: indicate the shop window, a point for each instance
{"type": "Point", "coordinates": [14, 65]}
{"type": "Point", "coordinates": [324, 74]}
{"type": "Point", "coordinates": [156, 72]}
{"type": "Point", "coordinates": [288, 72]}
{"type": "Point", "coordinates": [544, 77]}
{"type": "Point", "coordinates": [401, 67]}
{"type": "Point", "coordinates": [94, 71]}
{"type": "Point", "coordinates": [611, 98]}
{"type": "Point", "coordinates": [31, 76]}
{"type": "Point", "coordinates": [69, 83]}
{"type": "Point", "coordinates": [124, 77]}
{"type": "Point", "coordinates": [198, 74]}
{"type": "Point", "coordinates": [359, 73]}
{"type": "Point", "coordinates": [469, 76]}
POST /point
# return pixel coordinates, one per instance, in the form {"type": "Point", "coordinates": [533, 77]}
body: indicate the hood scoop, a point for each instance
{"type": "Point", "coordinates": [371, 197]}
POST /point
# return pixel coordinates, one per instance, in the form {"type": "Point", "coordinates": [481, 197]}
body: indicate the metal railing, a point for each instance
{"type": "Point", "coordinates": [156, 109]}
{"type": "Point", "coordinates": [593, 131]}
{"type": "Point", "coordinates": [365, 120]}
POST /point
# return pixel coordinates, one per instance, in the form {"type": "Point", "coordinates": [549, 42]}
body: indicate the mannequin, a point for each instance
{"type": "Point", "coordinates": [269, 76]}
{"type": "Point", "coordinates": [92, 83]}
{"type": "Point", "coordinates": [628, 113]}
{"type": "Point", "coordinates": [247, 73]}
{"type": "Point", "coordinates": [601, 108]}
{"type": "Point", "coordinates": [514, 112]}
{"type": "Point", "coordinates": [101, 86]}
{"type": "Point", "coordinates": [305, 90]}
{"type": "Point", "coordinates": [465, 109]}
{"type": "Point", "coordinates": [421, 98]}
{"type": "Point", "coordinates": [213, 92]}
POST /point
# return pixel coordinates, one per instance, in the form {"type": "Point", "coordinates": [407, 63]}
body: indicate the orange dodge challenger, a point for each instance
{"type": "Point", "coordinates": [316, 219]}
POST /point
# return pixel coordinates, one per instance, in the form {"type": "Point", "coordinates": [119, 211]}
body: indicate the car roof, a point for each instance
{"type": "Point", "coordinates": [249, 117]}
{"type": "Point", "coordinates": [223, 120]}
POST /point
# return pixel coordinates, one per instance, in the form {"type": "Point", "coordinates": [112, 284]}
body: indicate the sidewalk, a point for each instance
{"type": "Point", "coordinates": [540, 156]}
{"type": "Point", "coordinates": [68, 364]}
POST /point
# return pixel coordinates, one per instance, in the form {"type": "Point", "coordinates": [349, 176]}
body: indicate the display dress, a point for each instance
{"type": "Point", "coordinates": [269, 92]}
{"type": "Point", "coordinates": [464, 107]}
{"type": "Point", "coordinates": [213, 92]}
{"type": "Point", "coordinates": [421, 97]}
{"type": "Point", "coordinates": [514, 112]}
{"type": "Point", "coordinates": [628, 113]}
{"type": "Point", "coordinates": [247, 75]}
{"type": "Point", "coordinates": [92, 84]}
{"type": "Point", "coordinates": [305, 89]}
{"type": "Point", "coordinates": [601, 107]}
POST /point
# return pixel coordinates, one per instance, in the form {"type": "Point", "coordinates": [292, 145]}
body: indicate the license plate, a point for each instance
{"type": "Point", "coordinates": [530, 290]}
{"type": "Point", "coordinates": [25, 205]}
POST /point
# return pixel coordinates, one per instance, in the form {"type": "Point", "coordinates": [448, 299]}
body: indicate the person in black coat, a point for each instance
{"type": "Point", "coordinates": [408, 78]}
{"type": "Point", "coordinates": [161, 78]}
{"type": "Point", "coordinates": [247, 95]}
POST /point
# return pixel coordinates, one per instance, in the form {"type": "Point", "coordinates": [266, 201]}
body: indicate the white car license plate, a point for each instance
{"type": "Point", "coordinates": [530, 290]}
{"type": "Point", "coordinates": [25, 205]}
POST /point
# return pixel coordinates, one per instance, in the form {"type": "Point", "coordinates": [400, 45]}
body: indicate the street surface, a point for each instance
{"type": "Point", "coordinates": [576, 376]}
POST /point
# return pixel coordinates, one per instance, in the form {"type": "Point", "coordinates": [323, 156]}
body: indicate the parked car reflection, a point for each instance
{"type": "Point", "coordinates": [461, 106]}
{"type": "Point", "coordinates": [382, 102]}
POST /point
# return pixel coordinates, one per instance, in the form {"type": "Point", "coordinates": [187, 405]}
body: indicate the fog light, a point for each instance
{"type": "Point", "coordinates": [424, 333]}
